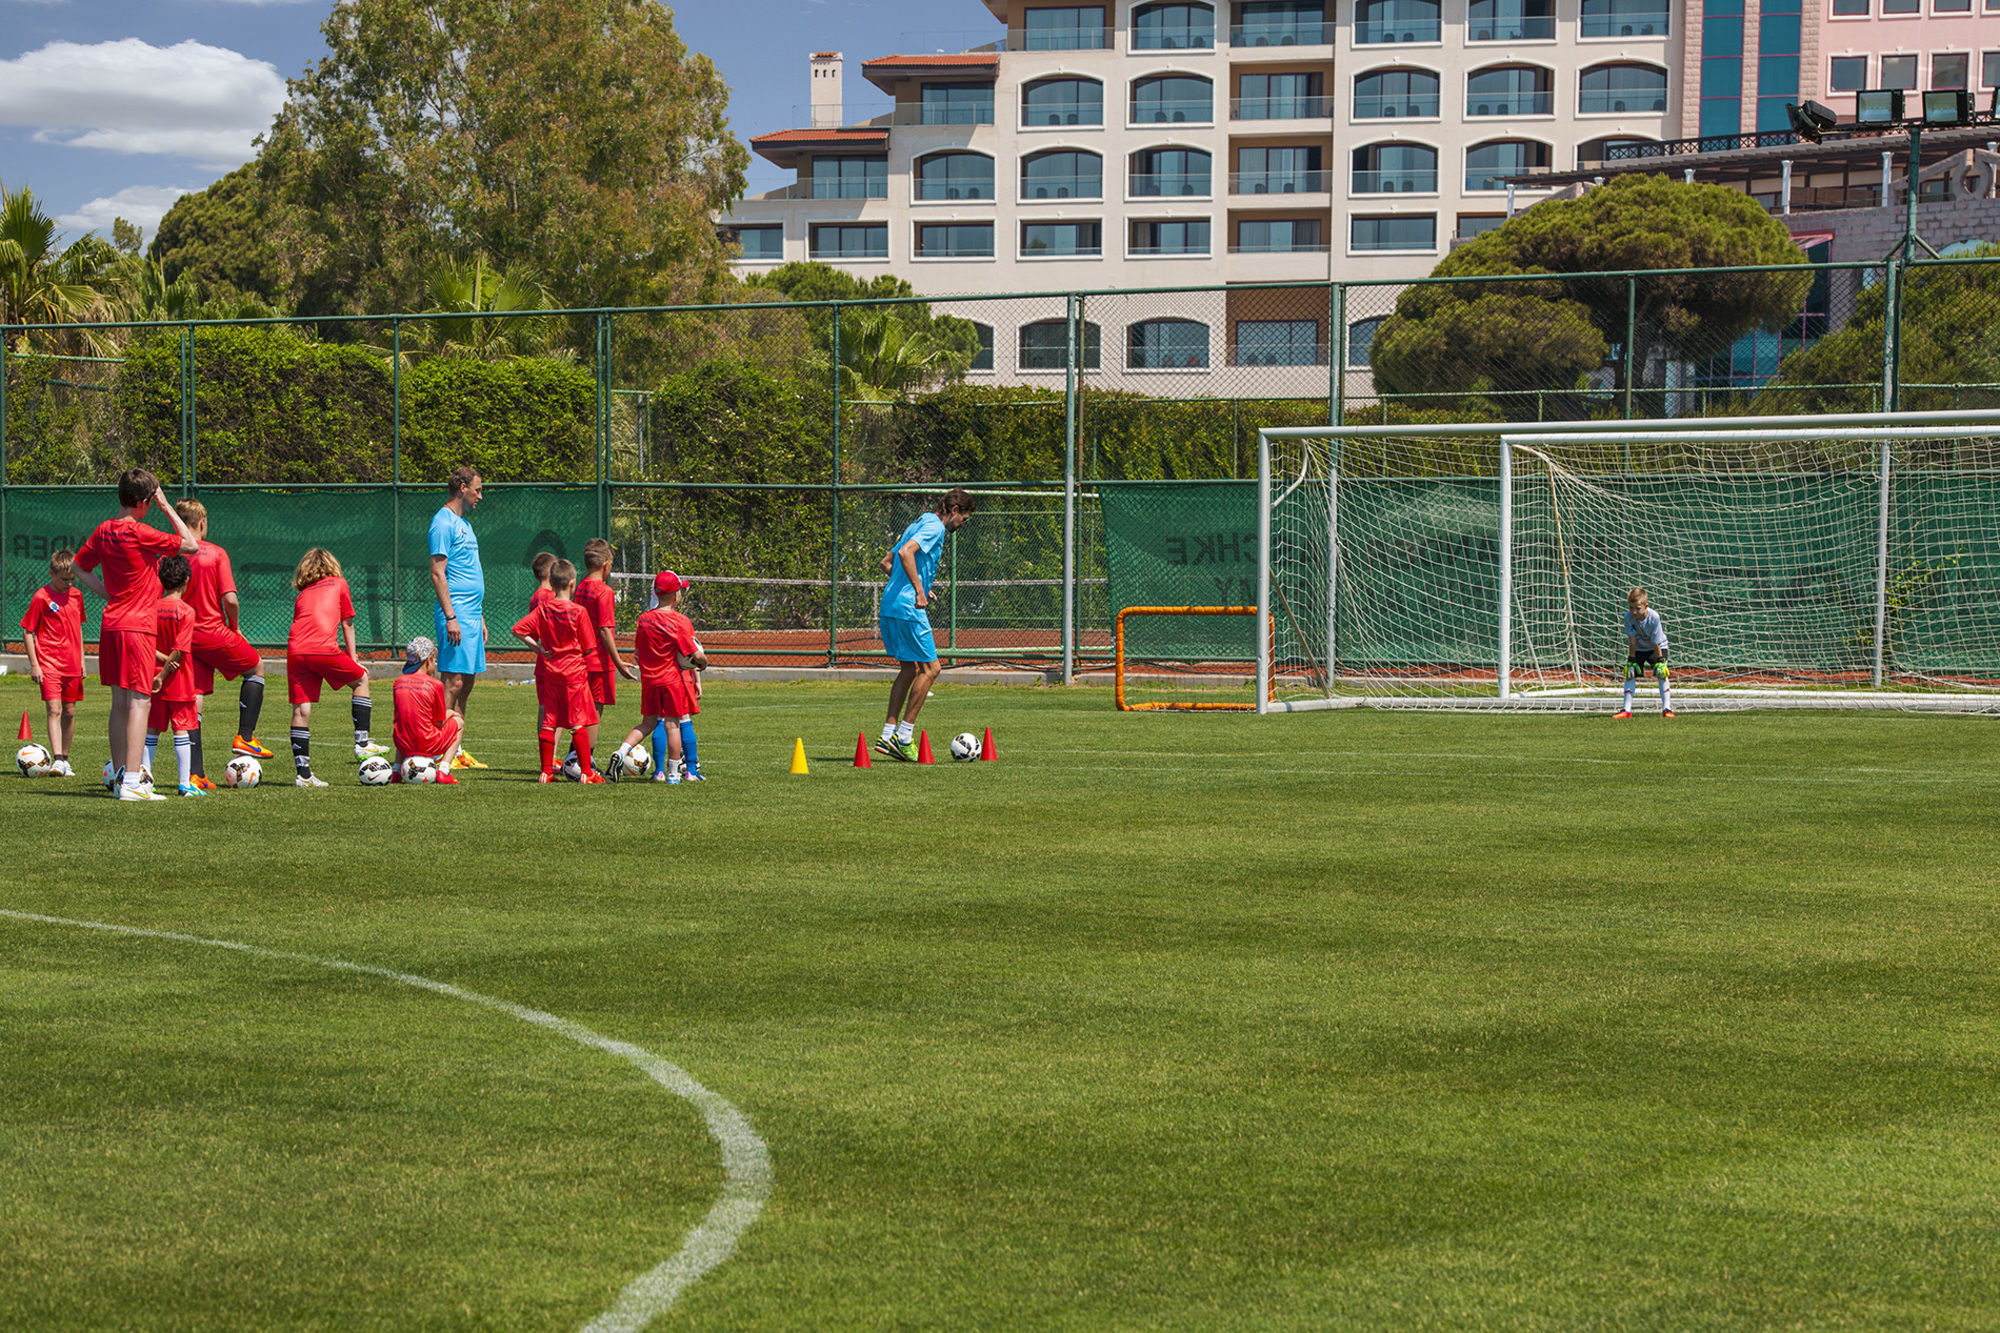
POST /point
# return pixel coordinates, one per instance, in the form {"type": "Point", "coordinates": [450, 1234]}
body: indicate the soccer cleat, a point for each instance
{"type": "Point", "coordinates": [308, 780]}
{"type": "Point", "coordinates": [592, 777]}
{"type": "Point", "coordinates": [370, 748]}
{"type": "Point", "coordinates": [252, 747]}
{"type": "Point", "coordinates": [1666, 712]}
{"type": "Point", "coordinates": [465, 760]}
{"type": "Point", "coordinates": [189, 789]}
{"type": "Point", "coordinates": [696, 775]}
{"type": "Point", "coordinates": [125, 793]}
{"type": "Point", "coordinates": [897, 749]}
{"type": "Point", "coordinates": [63, 770]}
{"type": "Point", "coordinates": [445, 779]}
{"type": "Point", "coordinates": [201, 781]}
{"type": "Point", "coordinates": [1623, 714]}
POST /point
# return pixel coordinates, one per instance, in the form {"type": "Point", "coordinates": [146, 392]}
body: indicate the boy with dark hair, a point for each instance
{"type": "Point", "coordinates": [218, 645]}
{"type": "Point", "coordinates": [543, 562]}
{"type": "Point", "coordinates": [126, 550]}
{"type": "Point", "coordinates": [52, 630]}
{"type": "Point", "coordinates": [173, 706]}
{"type": "Point", "coordinates": [424, 725]}
{"type": "Point", "coordinates": [663, 638]}
{"type": "Point", "coordinates": [560, 633]}
{"type": "Point", "coordinates": [903, 622]}
{"type": "Point", "coordinates": [599, 601]}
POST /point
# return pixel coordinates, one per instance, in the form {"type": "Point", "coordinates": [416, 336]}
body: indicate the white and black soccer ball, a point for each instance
{"type": "Point", "coordinates": [419, 769]}
{"type": "Point", "coordinates": [965, 747]}
{"type": "Point", "coordinates": [572, 767]}
{"type": "Point", "coordinates": [633, 763]}
{"type": "Point", "coordinates": [685, 662]}
{"type": "Point", "coordinates": [33, 761]}
{"type": "Point", "coordinates": [243, 772]}
{"type": "Point", "coordinates": [376, 771]}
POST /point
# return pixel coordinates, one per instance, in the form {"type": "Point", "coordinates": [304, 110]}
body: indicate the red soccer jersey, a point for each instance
{"type": "Point", "coordinates": [213, 580]}
{"type": "Point", "coordinates": [129, 552]}
{"type": "Point", "coordinates": [56, 620]}
{"type": "Point", "coordinates": [316, 618]}
{"type": "Point", "coordinates": [175, 621]}
{"type": "Point", "coordinates": [419, 701]}
{"type": "Point", "coordinates": [600, 601]}
{"type": "Point", "coordinates": [538, 596]}
{"type": "Point", "coordinates": [564, 630]}
{"type": "Point", "coordinates": [662, 635]}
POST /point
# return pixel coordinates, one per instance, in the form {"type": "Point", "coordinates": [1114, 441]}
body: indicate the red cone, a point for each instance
{"type": "Point", "coordinates": [27, 732]}
{"type": "Point", "coordinates": [924, 748]}
{"type": "Point", "coordinates": [986, 750]}
{"type": "Point", "coordinates": [861, 759]}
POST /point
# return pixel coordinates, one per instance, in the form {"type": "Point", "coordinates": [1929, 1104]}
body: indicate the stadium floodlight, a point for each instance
{"type": "Point", "coordinates": [1811, 120]}
{"type": "Point", "coordinates": [1878, 106]}
{"type": "Point", "coordinates": [1948, 106]}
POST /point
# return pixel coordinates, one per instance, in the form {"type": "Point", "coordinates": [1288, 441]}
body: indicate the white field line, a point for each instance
{"type": "Point", "coordinates": [746, 1164]}
{"type": "Point", "coordinates": [1876, 779]}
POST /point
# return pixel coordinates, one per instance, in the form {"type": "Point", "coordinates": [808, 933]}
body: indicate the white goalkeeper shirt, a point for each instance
{"type": "Point", "coordinates": [1646, 630]}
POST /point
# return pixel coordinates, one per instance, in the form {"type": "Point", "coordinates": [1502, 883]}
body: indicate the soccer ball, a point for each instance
{"type": "Point", "coordinates": [419, 769]}
{"type": "Point", "coordinates": [631, 764]}
{"type": "Point", "coordinates": [109, 776]}
{"type": "Point", "coordinates": [687, 663]}
{"type": "Point", "coordinates": [572, 767]}
{"type": "Point", "coordinates": [965, 747]}
{"type": "Point", "coordinates": [33, 761]}
{"type": "Point", "coordinates": [242, 773]}
{"type": "Point", "coordinates": [376, 771]}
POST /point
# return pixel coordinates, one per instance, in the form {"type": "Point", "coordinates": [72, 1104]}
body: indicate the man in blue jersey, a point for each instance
{"type": "Point", "coordinates": [905, 628]}
{"type": "Point", "coordinates": [460, 584]}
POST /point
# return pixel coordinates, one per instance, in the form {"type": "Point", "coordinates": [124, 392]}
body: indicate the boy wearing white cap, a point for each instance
{"type": "Point", "coordinates": [424, 725]}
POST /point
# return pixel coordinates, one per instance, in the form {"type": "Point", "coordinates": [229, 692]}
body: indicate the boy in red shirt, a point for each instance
{"type": "Point", "coordinates": [53, 632]}
{"type": "Point", "coordinates": [424, 726]}
{"type": "Point", "coordinates": [173, 707]}
{"type": "Point", "coordinates": [322, 618]}
{"type": "Point", "coordinates": [664, 638]}
{"type": "Point", "coordinates": [218, 646]}
{"type": "Point", "coordinates": [561, 632]}
{"type": "Point", "coordinates": [126, 550]}
{"type": "Point", "coordinates": [597, 597]}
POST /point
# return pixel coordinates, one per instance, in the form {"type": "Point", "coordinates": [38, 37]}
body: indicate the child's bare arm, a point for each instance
{"type": "Point", "coordinates": [34, 658]}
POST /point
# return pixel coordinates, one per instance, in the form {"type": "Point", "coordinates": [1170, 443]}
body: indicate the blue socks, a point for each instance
{"type": "Point", "coordinates": [687, 747]}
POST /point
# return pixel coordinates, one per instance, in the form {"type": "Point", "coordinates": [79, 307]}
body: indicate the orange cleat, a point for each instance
{"type": "Point", "coordinates": [546, 778]}
{"type": "Point", "coordinates": [202, 782]}
{"type": "Point", "coordinates": [445, 780]}
{"type": "Point", "coordinates": [1666, 712]}
{"type": "Point", "coordinates": [252, 747]}
{"type": "Point", "coordinates": [1623, 714]}
{"type": "Point", "coordinates": [593, 778]}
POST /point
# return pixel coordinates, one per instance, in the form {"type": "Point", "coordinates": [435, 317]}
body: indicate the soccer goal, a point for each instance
{"type": "Point", "coordinates": [1831, 561]}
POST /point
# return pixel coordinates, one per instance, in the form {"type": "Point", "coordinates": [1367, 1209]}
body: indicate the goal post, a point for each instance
{"type": "Point", "coordinates": [1815, 561]}
{"type": "Point", "coordinates": [1175, 706]}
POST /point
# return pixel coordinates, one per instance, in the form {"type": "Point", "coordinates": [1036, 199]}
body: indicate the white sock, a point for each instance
{"type": "Point", "coordinates": [904, 731]}
{"type": "Point", "coordinates": [152, 746]}
{"type": "Point", "coordinates": [184, 756]}
{"type": "Point", "coordinates": [888, 731]}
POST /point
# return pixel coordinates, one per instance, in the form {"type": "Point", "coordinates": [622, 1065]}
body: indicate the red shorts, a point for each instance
{"type": "Point", "coordinates": [669, 699]}
{"type": "Point", "coordinates": [604, 688]}
{"type": "Point", "coordinates": [125, 659]}
{"type": "Point", "coordinates": [306, 672]}
{"type": "Point", "coordinates": [173, 715]}
{"type": "Point", "coordinates": [431, 742]}
{"type": "Point", "coordinates": [566, 703]}
{"type": "Point", "coordinates": [222, 651]}
{"type": "Point", "coordinates": [66, 689]}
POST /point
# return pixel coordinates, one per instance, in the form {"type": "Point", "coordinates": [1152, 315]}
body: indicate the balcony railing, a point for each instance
{"type": "Point", "coordinates": [1273, 248]}
{"type": "Point", "coordinates": [1236, 354]}
{"type": "Point", "coordinates": [1174, 111]}
{"type": "Point", "coordinates": [1653, 23]}
{"type": "Point", "coordinates": [1396, 182]}
{"type": "Point", "coordinates": [968, 191]}
{"type": "Point", "coordinates": [1188, 38]}
{"type": "Point", "coordinates": [880, 251]}
{"type": "Point", "coordinates": [953, 113]}
{"type": "Point", "coordinates": [1382, 32]}
{"type": "Point", "coordinates": [1278, 182]}
{"type": "Point", "coordinates": [1391, 106]}
{"type": "Point", "coordinates": [1533, 29]}
{"type": "Point", "coordinates": [1593, 102]}
{"type": "Point", "coordinates": [1291, 107]}
{"type": "Point", "coordinates": [1059, 39]}
{"type": "Point", "coordinates": [1170, 185]}
{"type": "Point", "coordinates": [846, 189]}
{"type": "Point", "coordinates": [1047, 117]}
{"type": "Point", "coordinates": [1165, 251]}
{"type": "Point", "coordinates": [1512, 104]}
{"type": "Point", "coordinates": [1063, 187]}
{"type": "Point", "coordinates": [1481, 179]}
{"type": "Point", "coordinates": [1281, 34]}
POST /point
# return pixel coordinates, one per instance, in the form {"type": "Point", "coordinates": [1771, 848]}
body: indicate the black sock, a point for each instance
{"type": "Point", "coordinates": [249, 706]}
{"type": "Point", "coordinates": [199, 771]}
{"type": "Point", "coordinates": [301, 751]}
{"type": "Point", "coordinates": [364, 709]}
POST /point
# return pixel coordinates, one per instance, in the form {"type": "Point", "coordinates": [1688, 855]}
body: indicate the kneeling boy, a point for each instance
{"type": "Point", "coordinates": [424, 727]}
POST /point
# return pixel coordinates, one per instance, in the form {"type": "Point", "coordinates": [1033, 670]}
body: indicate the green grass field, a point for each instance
{"type": "Point", "coordinates": [1329, 1021]}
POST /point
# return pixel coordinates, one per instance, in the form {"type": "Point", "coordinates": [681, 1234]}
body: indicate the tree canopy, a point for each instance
{"type": "Point", "coordinates": [221, 238]}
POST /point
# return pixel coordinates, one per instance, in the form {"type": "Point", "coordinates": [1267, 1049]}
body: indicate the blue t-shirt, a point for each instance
{"type": "Point", "coordinates": [452, 538]}
{"type": "Point", "coordinates": [1646, 630]}
{"type": "Point", "coordinates": [899, 599]}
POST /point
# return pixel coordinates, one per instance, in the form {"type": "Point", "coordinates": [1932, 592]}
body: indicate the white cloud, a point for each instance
{"type": "Point", "coordinates": [188, 100]}
{"type": "Point", "coordinates": [141, 204]}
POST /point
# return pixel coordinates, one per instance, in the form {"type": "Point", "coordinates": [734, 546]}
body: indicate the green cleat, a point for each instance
{"type": "Point", "coordinates": [897, 749]}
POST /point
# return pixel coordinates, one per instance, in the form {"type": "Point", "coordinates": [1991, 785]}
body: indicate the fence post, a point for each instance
{"type": "Point", "coordinates": [1892, 337]}
{"type": "Point", "coordinates": [395, 481]}
{"type": "Point", "coordinates": [3, 456]}
{"type": "Point", "coordinates": [604, 424]}
{"type": "Point", "coordinates": [1882, 569]}
{"type": "Point", "coordinates": [1336, 361]}
{"type": "Point", "coordinates": [1631, 337]}
{"type": "Point", "coordinates": [833, 551]}
{"type": "Point", "coordinates": [187, 405]}
{"type": "Point", "coordinates": [1073, 360]}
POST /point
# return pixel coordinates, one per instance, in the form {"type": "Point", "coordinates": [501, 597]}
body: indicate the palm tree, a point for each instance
{"type": "Point", "coordinates": [478, 289]}
{"type": "Point", "coordinates": [40, 284]}
{"type": "Point", "coordinates": [883, 358]}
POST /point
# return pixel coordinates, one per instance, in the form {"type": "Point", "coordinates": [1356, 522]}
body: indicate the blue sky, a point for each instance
{"type": "Point", "coordinates": [115, 107]}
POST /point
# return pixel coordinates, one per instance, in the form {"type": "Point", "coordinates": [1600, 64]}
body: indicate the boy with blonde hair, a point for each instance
{"type": "Point", "coordinates": [1646, 650]}
{"type": "Point", "coordinates": [560, 633]}
{"type": "Point", "coordinates": [322, 619]}
{"type": "Point", "coordinates": [52, 630]}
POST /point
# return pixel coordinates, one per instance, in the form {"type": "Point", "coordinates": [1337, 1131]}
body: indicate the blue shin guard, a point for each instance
{"type": "Point", "coordinates": [687, 747]}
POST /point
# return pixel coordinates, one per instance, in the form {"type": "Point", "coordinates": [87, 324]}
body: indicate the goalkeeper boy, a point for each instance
{"type": "Point", "coordinates": [1646, 649]}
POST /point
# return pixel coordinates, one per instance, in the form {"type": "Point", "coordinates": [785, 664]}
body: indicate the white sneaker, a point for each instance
{"type": "Point", "coordinates": [371, 748]}
{"type": "Point", "coordinates": [308, 780]}
{"type": "Point", "coordinates": [63, 770]}
{"type": "Point", "coordinates": [139, 794]}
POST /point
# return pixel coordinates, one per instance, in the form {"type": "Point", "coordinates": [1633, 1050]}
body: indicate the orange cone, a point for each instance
{"type": "Point", "coordinates": [986, 750]}
{"type": "Point", "coordinates": [27, 732]}
{"type": "Point", "coordinates": [861, 759]}
{"type": "Point", "coordinates": [924, 748]}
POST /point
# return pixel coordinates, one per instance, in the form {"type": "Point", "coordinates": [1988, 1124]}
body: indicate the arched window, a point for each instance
{"type": "Point", "coordinates": [1173, 99]}
{"type": "Point", "coordinates": [1167, 344]}
{"type": "Point", "coordinates": [1385, 94]}
{"type": "Point", "coordinates": [1384, 21]}
{"type": "Point", "coordinates": [1488, 164]}
{"type": "Point", "coordinates": [1510, 90]}
{"type": "Point", "coordinates": [983, 359]}
{"type": "Point", "coordinates": [1173, 27]}
{"type": "Point", "coordinates": [1395, 168]}
{"type": "Point", "coordinates": [1162, 172]}
{"type": "Point", "coordinates": [1361, 342]}
{"type": "Point", "coordinates": [1510, 21]}
{"type": "Point", "coordinates": [1614, 88]}
{"type": "Point", "coordinates": [1631, 18]}
{"type": "Point", "coordinates": [1062, 102]}
{"type": "Point", "coordinates": [1045, 345]}
{"type": "Point", "coordinates": [955, 176]}
{"type": "Point", "coordinates": [1062, 174]}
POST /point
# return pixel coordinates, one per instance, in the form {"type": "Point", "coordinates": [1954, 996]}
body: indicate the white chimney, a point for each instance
{"type": "Point", "coordinates": [825, 89]}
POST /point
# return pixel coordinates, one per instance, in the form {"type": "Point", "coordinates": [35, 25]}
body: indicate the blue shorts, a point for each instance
{"type": "Point", "coordinates": [908, 640]}
{"type": "Point", "coordinates": [467, 657]}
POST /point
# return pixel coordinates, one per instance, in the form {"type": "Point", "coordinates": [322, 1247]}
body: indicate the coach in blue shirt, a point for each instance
{"type": "Point", "coordinates": [460, 584]}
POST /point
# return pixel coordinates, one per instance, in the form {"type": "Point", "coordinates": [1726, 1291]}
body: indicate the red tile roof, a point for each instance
{"type": "Point", "coordinates": [782, 147]}
{"type": "Point", "coordinates": [965, 59]}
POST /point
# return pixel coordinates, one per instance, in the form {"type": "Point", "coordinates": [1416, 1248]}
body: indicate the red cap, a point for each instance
{"type": "Point", "coordinates": [667, 582]}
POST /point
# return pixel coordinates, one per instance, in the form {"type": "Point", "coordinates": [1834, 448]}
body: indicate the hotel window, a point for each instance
{"type": "Point", "coordinates": [1847, 74]}
{"type": "Point", "coordinates": [1165, 172]}
{"type": "Point", "coordinates": [1062, 102]}
{"type": "Point", "coordinates": [1899, 71]}
{"type": "Point", "coordinates": [1295, 170]}
{"type": "Point", "coordinates": [1625, 18]}
{"type": "Point", "coordinates": [1515, 90]}
{"type": "Point", "coordinates": [1951, 69]}
{"type": "Point", "coordinates": [835, 241]}
{"type": "Point", "coordinates": [1173, 27]}
{"type": "Point", "coordinates": [1045, 346]}
{"type": "Point", "coordinates": [1487, 165]}
{"type": "Point", "coordinates": [1075, 29]}
{"type": "Point", "coordinates": [1614, 88]}
{"type": "Point", "coordinates": [955, 176]}
{"type": "Point", "coordinates": [850, 178]}
{"type": "Point", "coordinates": [1951, 6]}
{"type": "Point", "coordinates": [1062, 175]}
{"type": "Point", "coordinates": [1394, 233]}
{"type": "Point", "coordinates": [1386, 94]}
{"type": "Point", "coordinates": [1385, 21]}
{"type": "Point", "coordinates": [983, 359]}
{"type": "Point", "coordinates": [1902, 6]}
{"type": "Point", "coordinates": [1281, 97]}
{"type": "Point", "coordinates": [761, 243]}
{"type": "Point", "coordinates": [1848, 9]}
{"type": "Point", "coordinates": [1073, 240]}
{"type": "Point", "coordinates": [1173, 99]}
{"type": "Point", "coordinates": [1721, 68]}
{"type": "Point", "coordinates": [1989, 70]}
{"type": "Point", "coordinates": [1278, 342]}
{"type": "Point", "coordinates": [955, 240]}
{"type": "Point", "coordinates": [1361, 342]}
{"type": "Point", "coordinates": [1395, 168]}
{"type": "Point", "coordinates": [1167, 344]}
{"type": "Point", "coordinates": [1281, 23]}
{"type": "Point", "coordinates": [1262, 236]}
{"type": "Point", "coordinates": [1510, 21]}
{"type": "Point", "coordinates": [1478, 224]}
{"type": "Point", "coordinates": [1170, 238]}
{"type": "Point", "coordinates": [957, 104]}
{"type": "Point", "coordinates": [1778, 46]}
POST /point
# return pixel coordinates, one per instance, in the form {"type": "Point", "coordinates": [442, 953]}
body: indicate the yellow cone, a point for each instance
{"type": "Point", "coordinates": [799, 755]}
